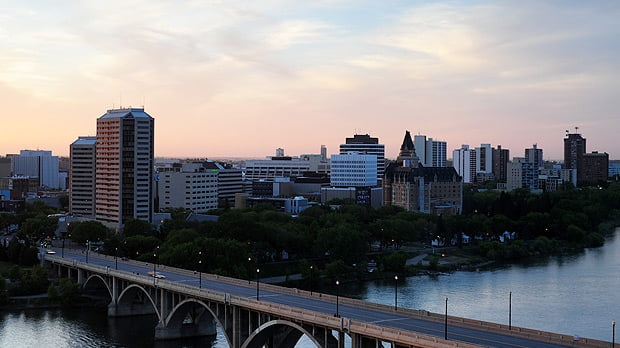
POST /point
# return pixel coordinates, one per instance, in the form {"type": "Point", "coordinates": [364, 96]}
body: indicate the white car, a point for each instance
{"type": "Point", "coordinates": [156, 275]}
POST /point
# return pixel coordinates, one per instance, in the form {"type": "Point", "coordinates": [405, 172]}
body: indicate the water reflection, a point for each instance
{"type": "Point", "coordinates": [574, 295]}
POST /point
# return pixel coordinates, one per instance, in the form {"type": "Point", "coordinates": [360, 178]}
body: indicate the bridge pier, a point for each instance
{"type": "Point", "coordinates": [80, 277]}
{"type": "Point", "coordinates": [171, 332]}
{"type": "Point", "coordinates": [359, 341]}
{"type": "Point", "coordinates": [123, 310]}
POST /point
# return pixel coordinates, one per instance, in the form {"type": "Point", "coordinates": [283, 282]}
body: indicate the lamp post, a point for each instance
{"type": "Point", "coordinates": [249, 268]}
{"type": "Point", "coordinates": [396, 292]}
{"type": "Point", "coordinates": [445, 326]}
{"type": "Point", "coordinates": [154, 267]}
{"type": "Point", "coordinates": [510, 310]}
{"type": "Point", "coordinates": [337, 296]}
{"type": "Point", "coordinates": [613, 334]}
{"type": "Point", "coordinates": [200, 269]}
{"type": "Point", "coordinates": [257, 282]}
{"type": "Point", "coordinates": [116, 258]}
{"type": "Point", "coordinates": [87, 247]}
{"type": "Point", "coordinates": [62, 252]}
{"type": "Point", "coordinates": [200, 274]}
{"type": "Point", "coordinates": [311, 280]}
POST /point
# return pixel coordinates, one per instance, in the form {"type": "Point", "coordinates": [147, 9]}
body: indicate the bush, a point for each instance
{"type": "Point", "coordinates": [52, 293]}
{"type": "Point", "coordinates": [433, 263]}
{"type": "Point", "coordinates": [336, 269]}
{"type": "Point", "coordinates": [4, 296]}
{"type": "Point", "coordinates": [594, 240]}
{"type": "Point", "coordinates": [395, 262]}
{"type": "Point", "coordinates": [68, 291]}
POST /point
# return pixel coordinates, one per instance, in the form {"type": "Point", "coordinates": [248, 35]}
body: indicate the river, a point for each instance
{"type": "Point", "coordinates": [576, 295]}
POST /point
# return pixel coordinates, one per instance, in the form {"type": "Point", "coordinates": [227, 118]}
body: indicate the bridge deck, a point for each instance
{"type": "Point", "coordinates": [354, 314]}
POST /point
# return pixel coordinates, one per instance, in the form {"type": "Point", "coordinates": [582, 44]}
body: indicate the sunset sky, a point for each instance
{"type": "Point", "coordinates": [242, 78]}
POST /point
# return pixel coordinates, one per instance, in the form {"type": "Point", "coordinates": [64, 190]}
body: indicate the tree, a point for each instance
{"type": "Point", "coordinates": [38, 227]}
{"type": "Point", "coordinates": [33, 282]}
{"type": "Point", "coordinates": [68, 291]}
{"type": "Point", "coordinates": [395, 262]}
{"type": "Point", "coordinates": [136, 246]}
{"type": "Point", "coordinates": [135, 227]}
{"type": "Point", "coordinates": [52, 292]}
{"type": "Point", "coordinates": [28, 256]}
{"type": "Point", "coordinates": [80, 232]}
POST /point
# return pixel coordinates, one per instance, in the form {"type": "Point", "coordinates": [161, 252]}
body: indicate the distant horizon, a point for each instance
{"type": "Point", "coordinates": [245, 158]}
{"type": "Point", "coordinates": [240, 79]}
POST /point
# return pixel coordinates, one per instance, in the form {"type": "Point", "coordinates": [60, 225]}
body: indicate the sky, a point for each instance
{"type": "Point", "coordinates": [242, 78]}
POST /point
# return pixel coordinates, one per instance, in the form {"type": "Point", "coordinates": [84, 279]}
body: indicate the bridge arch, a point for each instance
{"type": "Point", "coordinates": [133, 291]}
{"type": "Point", "coordinates": [201, 317]}
{"type": "Point", "coordinates": [288, 334]}
{"type": "Point", "coordinates": [91, 282]}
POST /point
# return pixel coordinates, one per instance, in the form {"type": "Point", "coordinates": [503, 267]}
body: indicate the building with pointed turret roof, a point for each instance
{"type": "Point", "coordinates": [432, 190]}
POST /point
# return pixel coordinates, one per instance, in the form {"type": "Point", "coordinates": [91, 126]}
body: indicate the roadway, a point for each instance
{"type": "Point", "coordinates": [391, 320]}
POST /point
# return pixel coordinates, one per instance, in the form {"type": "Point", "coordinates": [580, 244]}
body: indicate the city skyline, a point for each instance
{"type": "Point", "coordinates": [240, 80]}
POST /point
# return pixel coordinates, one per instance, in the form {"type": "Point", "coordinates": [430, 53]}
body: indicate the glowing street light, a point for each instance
{"type": "Point", "coordinates": [445, 327]}
{"type": "Point", "coordinates": [396, 292]}
{"type": "Point", "coordinates": [257, 283]}
{"type": "Point", "coordinates": [337, 296]}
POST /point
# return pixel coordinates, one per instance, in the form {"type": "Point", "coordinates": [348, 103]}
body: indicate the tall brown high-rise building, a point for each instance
{"type": "Point", "coordinates": [574, 148]}
{"type": "Point", "coordinates": [500, 163]}
{"type": "Point", "coordinates": [124, 166]}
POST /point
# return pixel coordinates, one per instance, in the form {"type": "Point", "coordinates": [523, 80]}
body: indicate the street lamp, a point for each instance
{"type": "Point", "coordinates": [257, 282]}
{"type": "Point", "coordinates": [396, 292]}
{"type": "Point", "coordinates": [249, 268]}
{"type": "Point", "coordinates": [510, 310]}
{"type": "Point", "coordinates": [337, 295]}
{"type": "Point", "coordinates": [87, 247]}
{"type": "Point", "coordinates": [154, 268]}
{"type": "Point", "coordinates": [200, 269]}
{"type": "Point", "coordinates": [445, 326]}
{"type": "Point", "coordinates": [613, 334]}
{"type": "Point", "coordinates": [62, 253]}
{"type": "Point", "coordinates": [199, 274]}
{"type": "Point", "coordinates": [311, 273]}
{"type": "Point", "coordinates": [116, 258]}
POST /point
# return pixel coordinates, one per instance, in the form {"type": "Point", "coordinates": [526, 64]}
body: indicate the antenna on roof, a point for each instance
{"type": "Point", "coordinates": [120, 99]}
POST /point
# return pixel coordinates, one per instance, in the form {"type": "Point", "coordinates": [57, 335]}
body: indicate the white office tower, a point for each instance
{"type": "Point", "coordinates": [432, 153]}
{"type": "Point", "coordinates": [465, 163]}
{"type": "Point", "coordinates": [353, 170]}
{"type": "Point", "coordinates": [365, 144]}
{"type": "Point", "coordinates": [82, 177]}
{"type": "Point", "coordinates": [194, 188]}
{"type": "Point", "coordinates": [37, 163]}
{"type": "Point", "coordinates": [124, 169]}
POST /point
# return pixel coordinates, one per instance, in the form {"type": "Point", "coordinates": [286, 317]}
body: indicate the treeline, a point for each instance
{"type": "Point", "coordinates": [342, 233]}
